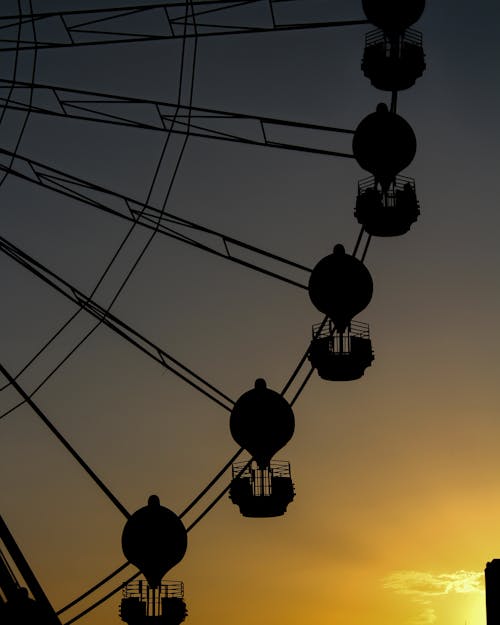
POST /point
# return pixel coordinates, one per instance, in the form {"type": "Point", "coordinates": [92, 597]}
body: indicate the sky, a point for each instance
{"type": "Point", "coordinates": [396, 474]}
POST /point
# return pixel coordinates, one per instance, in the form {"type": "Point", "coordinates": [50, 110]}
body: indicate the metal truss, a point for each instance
{"type": "Point", "coordinates": [150, 217]}
{"type": "Point", "coordinates": [118, 326]}
{"type": "Point", "coordinates": [169, 117]}
{"type": "Point", "coordinates": [154, 22]}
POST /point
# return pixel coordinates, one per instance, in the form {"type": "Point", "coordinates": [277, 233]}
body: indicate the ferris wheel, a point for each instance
{"type": "Point", "coordinates": [109, 163]}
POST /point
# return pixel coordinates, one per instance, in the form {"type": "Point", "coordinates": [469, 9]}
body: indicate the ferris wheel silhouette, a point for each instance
{"type": "Point", "coordinates": [339, 286]}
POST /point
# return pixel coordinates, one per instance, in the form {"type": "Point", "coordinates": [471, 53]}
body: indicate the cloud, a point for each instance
{"type": "Point", "coordinates": [423, 586]}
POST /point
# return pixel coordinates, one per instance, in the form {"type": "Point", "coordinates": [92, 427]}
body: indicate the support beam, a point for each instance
{"type": "Point", "coordinates": [152, 218]}
{"type": "Point", "coordinates": [169, 117]}
{"type": "Point", "coordinates": [46, 610]}
{"type": "Point", "coordinates": [159, 22]}
{"type": "Point", "coordinates": [118, 326]}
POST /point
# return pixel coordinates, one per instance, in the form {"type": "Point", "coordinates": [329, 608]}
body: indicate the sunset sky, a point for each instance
{"type": "Point", "coordinates": [397, 475]}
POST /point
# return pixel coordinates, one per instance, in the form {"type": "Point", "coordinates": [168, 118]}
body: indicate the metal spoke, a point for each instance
{"type": "Point", "coordinates": [169, 117]}
{"type": "Point", "coordinates": [121, 328]}
{"type": "Point", "coordinates": [119, 24]}
{"type": "Point", "coordinates": [149, 217]}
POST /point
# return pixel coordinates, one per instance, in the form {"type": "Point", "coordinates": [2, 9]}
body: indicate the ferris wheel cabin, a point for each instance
{"type": "Point", "coordinates": [389, 210]}
{"type": "Point", "coordinates": [262, 492]}
{"type": "Point", "coordinates": [143, 605]}
{"type": "Point", "coordinates": [393, 62]}
{"type": "Point", "coordinates": [341, 356]}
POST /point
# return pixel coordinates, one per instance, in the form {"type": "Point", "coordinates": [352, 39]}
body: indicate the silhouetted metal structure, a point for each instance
{"type": "Point", "coordinates": [393, 62]}
{"type": "Point", "coordinates": [387, 211]}
{"type": "Point", "coordinates": [492, 587]}
{"type": "Point", "coordinates": [164, 22]}
{"type": "Point", "coordinates": [341, 357]}
{"type": "Point", "coordinates": [262, 421]}
{"type": "Point", "coordinates": [18, 608]}
{"type": "Point", "coordinates": [340, 286]}
{"type": "Point", "coordinates": [143, 605]}
{"type": "Point", "coordinates": [262, 492]}
{"type": "Point", "coordinates": [154, 539]}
